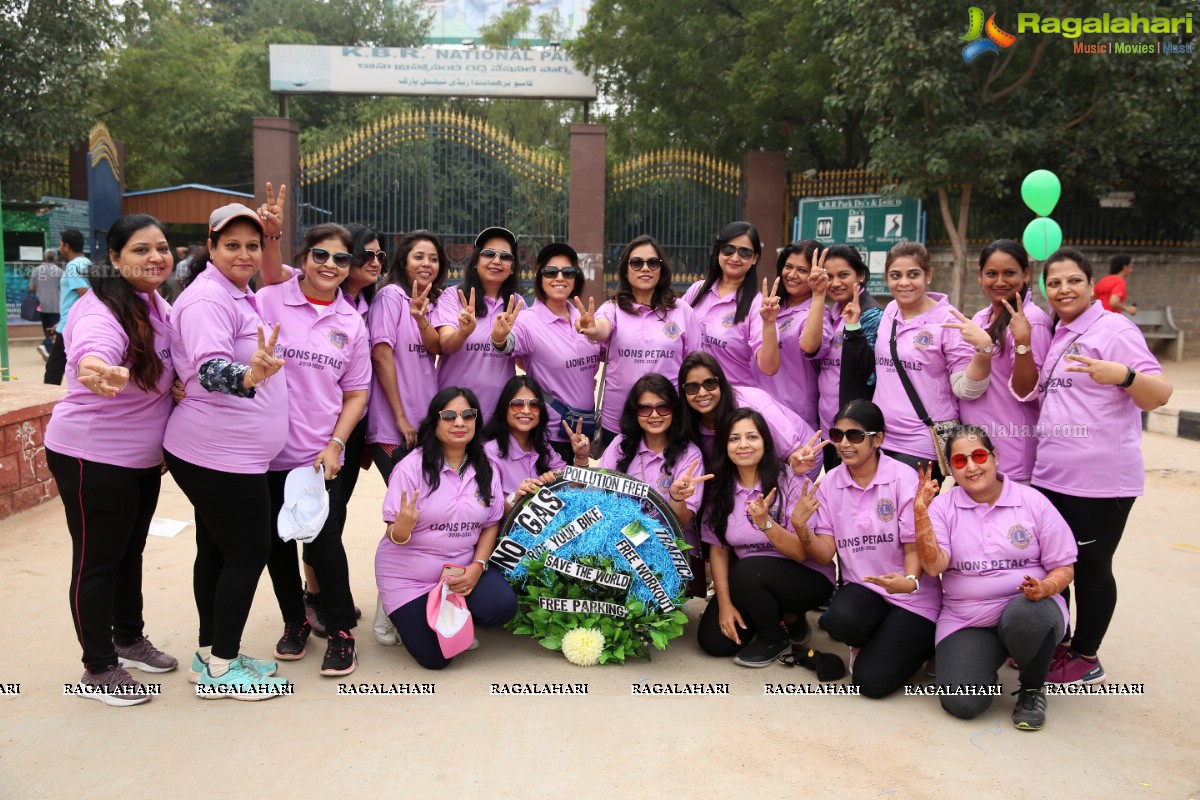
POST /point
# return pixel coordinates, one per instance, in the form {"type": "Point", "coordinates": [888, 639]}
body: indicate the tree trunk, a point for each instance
{"type": "Point", "coordinates": [958, 239]}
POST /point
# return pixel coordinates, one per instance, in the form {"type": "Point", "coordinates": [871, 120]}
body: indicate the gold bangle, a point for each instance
{"type": "Point", "coordinates": [1053, 583]}
{"type": "Point", "coordinates": [392, 536]}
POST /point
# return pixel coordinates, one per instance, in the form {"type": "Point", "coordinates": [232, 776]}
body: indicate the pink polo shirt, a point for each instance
{"type": "Point", "coordinates": [788, 430]}
{"type": "Point", "coordinates": [214, 319]}
{"type": "Point", "coordinates": [651, 468]}
{"type": "Point", "coordinates": [519, 465]}
{"type": "Point", "coordinates": [640, 343]}
{"type": "Point", "coordinates": [325, 354]}
{"type": "Point", "coordinates": [828, 360]}
{"type": "Point", "coordinates": [747, 540]}
{"type": "Point", "coordinates": [449, 522]}
{"type": "Point", "coordinates": [1009, 422]}
{"type": "Point", "coordinates": [1090, 436]}
{"type": "Point", "coordinates": [795, 385]}
{"type": "Point", "coordinates": [870, 526]}
{"type": "Point", "coordinates": [126, 430]}
{"type": "Point", "coordinates": [734, 345]}
{"type": "Point", "coordinates": [991, 551]}
{"type": "Point", "coordinates": [476, 366]}
{"type": "Point", "coordinates": [562, 360]}
{"type": "Point", "coordinates": [391, 323]}
{"type": "Point", "coordinates": [931, 354]}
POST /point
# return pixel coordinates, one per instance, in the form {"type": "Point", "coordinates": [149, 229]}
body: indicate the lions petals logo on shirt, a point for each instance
{"type": "Point", "coordinates": [984, 37]}
{"type": "Point", "coordinates": [338, 339]}
{"type": "Point", "coordinates": [885, 509]}
{"type": "Point", "coordinates": [1074, 350]}
{"type": "Point", "coordinates": [923, 339]}
{"type": "Point", "coordinates": [1019, 536]}
{"type": "Point", "coordinates": [727, 320]}
{"type": "Point", "coordinates": [836, 342]}
{"type": "Point", "coordinates": [672, 330]}
{"type": "Point", "coordinates": [479, 498]}
{"type": "Point", "coordinates": [664, 482]}
{"type": "Point", "coordinates": [783, 325]}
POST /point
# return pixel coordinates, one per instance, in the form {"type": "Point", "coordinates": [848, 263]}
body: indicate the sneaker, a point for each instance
{"type": "Point", "coordinates": [1075, 669]}
{"type": "Point", "coordinates": [145, 656]}
{"type": "Point", "coordinates": [241, 682]}
{"type": "Point", "coordinates": [43, 352]}
{"type": "Point", "coordinates": [113, 687]}
{"type": "Point", "coordinates": [1060, 653]}
{"type": "Point", "coordinates": [760, 654]}
{"type": "Point", "coordinates": [261, 666]}
{"type": "Point", "coordinates": [1030, 711]}
{"type": "Point", "coordinates": [384, 630]}
{"type": "Point", "coordinates": [314, 613]}
{"type": "Point", "coordinates": [340, 658]}
{"type": "Point", "coordinates": [798, 632]}
{"type": "Point", "coordinates": [290, 646]}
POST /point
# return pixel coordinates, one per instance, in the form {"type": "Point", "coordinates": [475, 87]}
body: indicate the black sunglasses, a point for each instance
{"type": "Point", "coordinates": [693, 387]}
{"type": "Point", "coordinates": [320, 255]}
{"type": "Point", "coordinates": [554, 272]}
{"type": "Point", "coordinates": [744, 252]}
{"type": "Point", "coordinates": [366, 255]}
{"type": "Point", "coordinates": [651, 264]}
{"type": "Point", "coordinates": [449, 416]}
{"type": "Point", "coordinates": [646, 409]}
{"type": "Point", "coordinates": [503, 255]}
{"type": "Point", "coordinates": [854, 435]}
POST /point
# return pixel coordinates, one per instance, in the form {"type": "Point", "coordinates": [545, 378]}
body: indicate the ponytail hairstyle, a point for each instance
{"type": "Point", "coordinates": [854, 258]}
{"type": "Point", "coordinates": [131, 311]}
{"type": "Point", "coordinates": [1001, 319]}
{"type": "Point", "coordinates": [717, 505]}
{"type": "Point", "coordinates": [749, 287]}
{"type": "Point", "coordinates": [1066, 254]}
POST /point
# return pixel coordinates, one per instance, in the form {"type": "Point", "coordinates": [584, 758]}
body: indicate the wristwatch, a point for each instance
{"type": "Point", "coordinates": [916, 583]}
{"type": "Point", "coordinates": [482, 563]}
{"type": "Point", "coordinates": [1129, 378]}
{"type": "Point", "coordinates": [987, 351]}
{"type": "Point", "coordinates": [1022, 349]}
{"type": "Point", "coordinates": [770, 524]}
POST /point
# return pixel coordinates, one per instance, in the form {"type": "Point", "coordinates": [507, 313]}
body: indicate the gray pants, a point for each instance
{"type": "Point", "coordinates": [1028, 631]}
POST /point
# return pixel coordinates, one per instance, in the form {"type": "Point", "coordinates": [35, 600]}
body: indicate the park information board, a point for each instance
{"type": "Point", "coordinates": [538, 73]}
{"type": "Point", "coordinates": [870, 223]}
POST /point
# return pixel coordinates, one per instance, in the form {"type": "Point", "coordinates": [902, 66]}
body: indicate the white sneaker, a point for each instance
{"type": "Point", "coordinates": [43, 352]}
{"type": "Point", "coordinates": [384, 630]}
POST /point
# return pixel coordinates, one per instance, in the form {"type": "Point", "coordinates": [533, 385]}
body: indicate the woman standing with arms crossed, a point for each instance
{"type": "Point", "coordinates": [644, 327]}
{"type": "Point", "coordinates": [443, 506]}
{"type": "Point", "coordinates": [219, 442]}
{"type": "Point", "coordinates": [1098, 374]}
{"type": "Point", "coordinates": [795, 384]}
{"type": "Point", "coordinates": [325, 340]}
{"type": "Point", "coordinates": [481, 311]}
{"type": "Point", "coordinates": [104, 447]}
{"type": "Point", "coordinates": [737, 323]}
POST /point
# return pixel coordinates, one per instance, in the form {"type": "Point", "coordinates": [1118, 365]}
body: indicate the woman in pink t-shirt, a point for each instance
{"type": "Point", "coordinates": [763, 582]}
{"type": "Point", "coordinates": [795, 383]}
{"type": "Point", "coordinates": [404, 344]}
{"type": "Point", "coordinates": [1004, 555]}
{"type": "Point", "coordinates": [1097, 379]}
{"type": "Point", "coordinates": [443, 507]}
{"type": "Point", "coordinates": [104, 448]}
{"type": "Point", "coordinates": [863, 513]}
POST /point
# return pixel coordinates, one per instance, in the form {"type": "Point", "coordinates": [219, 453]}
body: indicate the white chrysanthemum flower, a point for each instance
{"type": "Point", "coordinates": [583, 646]}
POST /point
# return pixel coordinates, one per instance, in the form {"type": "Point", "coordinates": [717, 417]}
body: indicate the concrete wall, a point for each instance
{"type": "Point", "coordinates": [25, 480]}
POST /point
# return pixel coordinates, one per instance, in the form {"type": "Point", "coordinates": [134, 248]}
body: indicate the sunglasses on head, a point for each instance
{"type": "Point", "coordinates": [979, 456]}
{"type": "Point", "coordinates": [650, 264]}
{"type": "Point", "coordinates": [320, 255]}
{"type": "Point", "coordinates": [503, 255]}
{"type": "Point", "coordinates": [743, 252]}
{"type": "Point", "coordinates": [517, 403]}
{"type": "Point", "coordinates": [366, 255]}
{"type": "Point", "coordinates": [693, 387]}
{"type": "Point", "coordinates": [554, 272]}
{"type": "Point", "coordinates": [662, 409]}
{"type": "Point", "coordinates": [854, 435]}
{"type": "Point", "coordinates": [467, 414]}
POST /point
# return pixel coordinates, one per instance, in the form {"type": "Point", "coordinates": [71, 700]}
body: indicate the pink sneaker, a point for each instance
{"type": "Point", "coordinates": [1075, 669]}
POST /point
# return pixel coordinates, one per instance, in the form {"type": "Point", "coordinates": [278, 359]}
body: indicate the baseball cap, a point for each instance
{"type": "Point", "coordinates": [224, 215]}
{"type": "Point", "coordinates": [558, 249]}
{"type": "Point", "coordinates": [305, 505]}
{"type": "Point", "coordinates": [491, 233]}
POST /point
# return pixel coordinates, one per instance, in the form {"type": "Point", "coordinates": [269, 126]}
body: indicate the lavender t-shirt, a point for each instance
{"type": "Point", "coordinates": [416, 373]}
{"type": "Point", "coordinates": [562, 360]}
{"type": "Point", "coordinates": [651, 468]}
{"type": "Point", "coordinates": [519, 465]}
{"type": "Point", "coordinates": [795, 384]}
{"type": "Point", "coordinates": [476, 366]}
{"type": "Point", "coordinates": [734, 345]}
{"type": "Point", "coordinates": [787, 430]}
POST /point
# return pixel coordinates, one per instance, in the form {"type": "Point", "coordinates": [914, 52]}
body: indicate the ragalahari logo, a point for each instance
{"type": "Point", "coordinates": [995, 41]}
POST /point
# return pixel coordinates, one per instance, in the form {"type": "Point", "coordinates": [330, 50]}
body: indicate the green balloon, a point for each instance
{"type": "Point", "coordinates": [1040, 190]}
{"type": "Point", "coordinates": [1042, 237]}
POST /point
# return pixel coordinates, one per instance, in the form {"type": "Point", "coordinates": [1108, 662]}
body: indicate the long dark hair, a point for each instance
{"type": "Point", "coordinates": [1000, 320]}
{"type": "Point", "coordinates": [663, 298]}
{"type": "Point", "coordinates": [805, 247]}
{"type": "Point", "coordinates": [471, 280]}
{"type": "Point", "coordinates": [432, 455]}
{"type": "Point", "coordinates": [854, 258]}
{"type": "Point", "coordinates": [749, 287]}
{"type": "Point", "coordinates": [660, 386]}
{"type": "Point", "coordinates": [717, 506]}
{"type": "Point", "coordinates": [724, 407]}
{"type": "Point", "coordinates": [361, 234]}
{"type": "Point", "coordinates": [398, 272]}
{"type": "Point", "coordinates": [497, 427]}
{"type": "Point", "coordinates": [133, 314]}
{"type": "Point", "coordinates": [201, 254]}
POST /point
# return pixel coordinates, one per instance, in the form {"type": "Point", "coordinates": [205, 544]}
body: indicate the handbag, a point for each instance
{"type": "Point", "coordinates": [29, 307]}
{"type": "Point", "coordinates": [939, 431]}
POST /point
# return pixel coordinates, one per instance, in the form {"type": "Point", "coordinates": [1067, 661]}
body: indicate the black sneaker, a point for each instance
{"type": "Point", "coordinates": [290, 646]}
{"type": "Point", "coordinates": [340, 658]}
{"type": "Point", "coordinates": [760, 654]}
{"type": "Point", "coordinates": [314, 613]}
{"type": "Point", "coordinates": [799, 632]}
{"type": "Point", "coordinates": [1030, 711]}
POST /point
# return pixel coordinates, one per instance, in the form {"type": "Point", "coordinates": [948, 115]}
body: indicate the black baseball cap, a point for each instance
{"type": "Point", "coordinates": [492, 233]}
{"type": "Point", "coordinates": [557, 249]}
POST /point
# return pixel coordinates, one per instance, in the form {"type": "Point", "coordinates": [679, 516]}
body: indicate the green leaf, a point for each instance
{"type": "Point", "coordinates": [551, 642]}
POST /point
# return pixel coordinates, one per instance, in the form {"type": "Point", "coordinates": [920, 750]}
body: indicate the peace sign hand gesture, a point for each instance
{"type": "Point", "coordinates": [263, 363]}
{"type": "Point", "coordinates": [271, 212]}
{"type": "Point", "coordinates": [419, 305]}
{"type": "Point", "coordinates": [853, 309]}
{"type": "Point", "coordinates": [581, 446]}
{"type": "Point", "coordinates": [769, 311]}
{"type": "Point", "coordinates": [927, 489]}
{"type": "Point", "coordinates": [818, 278]}
{"type": "Point", "coordinates": [805, 458]}
{"type": "Point", "coordinates": [503, 324]}
{"type": "Point", "coordinates": [586, 324]}
{"type": "Point", "coordinates": [102, 379]}
{"type": "Point", "coordinates": [1105, 373]}
{"type": "Point", "coordinates": [684, 487]}
{"type": "Point", "coordinates": [406, 516]}
{"type": "Point", "coordinates": [466, 315]}
{"type": "Point", "coordinates": [806, 505]}
{"type": "Point", "coordinates": [972, 334]}
{"type": "Point", "coordinates": [1018, 323]}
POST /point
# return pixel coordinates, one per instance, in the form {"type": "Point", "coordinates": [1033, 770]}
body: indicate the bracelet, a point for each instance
{"type": "Point", "coordinates": [1129, 378]}
{"type": "Point", "coordinates": [1052, 582]}
{"type": "Point", "coordinates": [512, 498]}
{"type": "Point", "coordinates": [673, 497]}
{"type": "Point", "coordinates": [338, 440]}
{"type": "Point", "coordinates": [273, 238]}
{"type": "Point", "coordinates": [500, 346]}
{"type": "Point", "coordinates": [586, 461]}
{"type": "Point", "coordinates": [253, 384]}
{"type": "Point", "coordinates": [481, 563]}
{"type": "Point", "coordinates": [392, 535]}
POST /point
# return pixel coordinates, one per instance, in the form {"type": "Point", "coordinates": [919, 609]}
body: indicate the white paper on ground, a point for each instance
{"type": "Point", "coordinates": [167, 527]}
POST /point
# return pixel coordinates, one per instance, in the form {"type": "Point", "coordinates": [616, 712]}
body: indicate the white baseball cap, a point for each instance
{"type": "Point", "coordinates": [305, 505]}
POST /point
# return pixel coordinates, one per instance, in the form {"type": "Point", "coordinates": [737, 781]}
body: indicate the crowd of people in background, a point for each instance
{"type": "Point", "coordinates": [800, 429]}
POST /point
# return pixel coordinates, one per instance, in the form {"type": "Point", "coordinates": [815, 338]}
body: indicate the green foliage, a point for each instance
{"type": "Point", "coordinates": [631, 637]}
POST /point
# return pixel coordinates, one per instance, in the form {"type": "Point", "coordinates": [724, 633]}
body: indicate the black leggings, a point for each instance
{"type": "Point", "coordinates": [325, 554]}
{"type": "Point", "coordinates": [491, 603]}
{"type": "Point", "coordinates": [233, 541]}
{"type": "Point", "coordinates": [763, 589]}
{"type": "Point", "coordinates": [916, 462]}
{"type": "Point", "coordinates": [894, 642]}
{"type": "Point", "coordinates": [385, 463]}
{"type": "Point", "coordinates": [108, 514]}
{"type": "Point", "coordinates": [1097, 524]}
